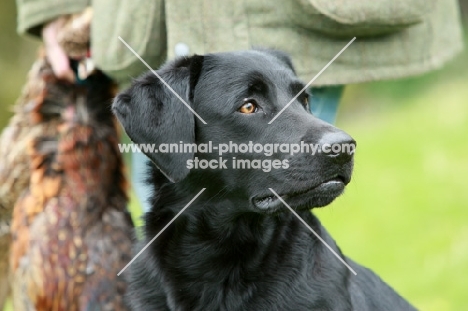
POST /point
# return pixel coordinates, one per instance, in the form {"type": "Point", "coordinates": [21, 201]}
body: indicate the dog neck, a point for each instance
{"type": "Point", "coordinates": [224, 226]}
{"type": "Point", "coordinates": [211, 244]}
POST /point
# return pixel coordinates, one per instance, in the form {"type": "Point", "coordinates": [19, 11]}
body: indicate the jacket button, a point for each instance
{"type": "Point", "coordinates": [181, 49]}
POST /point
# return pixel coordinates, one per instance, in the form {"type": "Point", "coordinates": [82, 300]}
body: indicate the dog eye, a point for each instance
{"type": "Point", "coordinates": [249, 106]}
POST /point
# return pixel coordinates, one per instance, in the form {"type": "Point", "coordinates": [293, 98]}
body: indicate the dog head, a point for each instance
{"type": "Point", "coordinates": [232, 99]}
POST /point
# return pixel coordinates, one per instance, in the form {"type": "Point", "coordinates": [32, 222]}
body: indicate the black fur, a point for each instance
{"type": "Point", "coordinates": [236, 247]}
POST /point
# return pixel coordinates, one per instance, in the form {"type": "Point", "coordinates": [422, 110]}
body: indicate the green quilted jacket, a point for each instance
{"type": "Point", "coordinates": [395, 38]}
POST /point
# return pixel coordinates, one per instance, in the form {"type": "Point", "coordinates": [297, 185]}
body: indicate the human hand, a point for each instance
{"type": "Point", "coordinates": [55, 53]}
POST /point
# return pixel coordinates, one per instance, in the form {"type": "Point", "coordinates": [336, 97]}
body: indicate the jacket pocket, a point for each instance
{"type": "Point", "coordinates": [344, 18]}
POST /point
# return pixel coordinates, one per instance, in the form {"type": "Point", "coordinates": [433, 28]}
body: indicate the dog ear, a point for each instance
{"type": "Point", "coordinates": [152, 114]}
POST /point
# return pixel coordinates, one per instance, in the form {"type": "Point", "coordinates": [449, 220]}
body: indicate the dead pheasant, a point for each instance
{"type": "Point", "coordinates": [71, 231]}
{"type": "Point", "coordinates": [62, 171]}
{"type": "Point", "coordinates": [25, 126]}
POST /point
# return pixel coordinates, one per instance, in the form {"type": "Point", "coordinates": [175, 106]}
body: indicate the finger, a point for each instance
{"type": "Point", "coordinates": [60, 63]}
{"type": "Point", "coordinates": [55, 54]}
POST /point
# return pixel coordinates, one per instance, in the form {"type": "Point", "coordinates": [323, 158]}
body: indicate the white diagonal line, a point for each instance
{"type": "Point", "coordinates": [159, 77]}
{"type": "Point", "coordinates": [311, 81]}
{"type": "Point", "coordinates": [162, 230]}
{"type": "Point", "coordinates": [315, 233]}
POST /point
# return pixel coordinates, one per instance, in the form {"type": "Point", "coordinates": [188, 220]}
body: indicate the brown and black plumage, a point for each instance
{"type": "Point", "coordinates": [26, 125]}
{"type": "Point", "coordinates": [62, 173]}
{"type": "Point", "coordinates": [26, 122]}
{"type": "Point", "coordinates": [71, 230]}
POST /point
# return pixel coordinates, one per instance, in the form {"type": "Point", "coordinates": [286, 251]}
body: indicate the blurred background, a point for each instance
{"type": "Point", "coordinates": [404, 213]}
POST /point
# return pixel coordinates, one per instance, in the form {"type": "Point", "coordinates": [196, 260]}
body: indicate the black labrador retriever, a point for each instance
{"type": "Point", "coordinates": [237, 246]}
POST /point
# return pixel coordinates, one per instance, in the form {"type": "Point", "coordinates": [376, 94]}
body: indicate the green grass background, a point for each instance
{"type": "Point", "coordinates": [405, 212]}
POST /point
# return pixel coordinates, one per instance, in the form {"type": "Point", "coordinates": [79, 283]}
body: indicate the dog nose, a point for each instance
{"type": "Point", "coordinates": [339, 146]}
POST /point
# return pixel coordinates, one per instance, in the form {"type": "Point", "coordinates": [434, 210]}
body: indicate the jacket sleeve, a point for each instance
{"type": "Point", "coordinates": [141, 24]}
{"type": "Point", "coordinates": [33, 14]}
